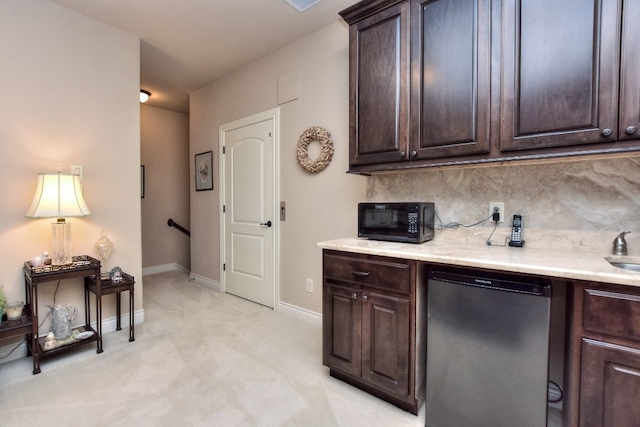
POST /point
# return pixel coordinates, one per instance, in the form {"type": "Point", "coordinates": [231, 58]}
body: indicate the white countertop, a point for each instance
{"type": "Point", "coordinates": [569, 264]}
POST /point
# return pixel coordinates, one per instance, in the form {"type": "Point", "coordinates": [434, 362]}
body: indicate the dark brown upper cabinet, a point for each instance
{"type": "Point", "coordinates": [560, 73]}
{"type": "Point", "coordinates": [451, 78]}
{"type": "Point", "coordinates": [379, 87]}
{"type": "Point", "coordinates": [629, 118]}
{"type": "Point", "coordinates": [442, 82]}
{"type": "Point", "coordinates": [443, 109]}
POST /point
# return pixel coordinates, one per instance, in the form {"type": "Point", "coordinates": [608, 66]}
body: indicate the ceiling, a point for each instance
{"type": "Point", "coordinates": [187, 44]}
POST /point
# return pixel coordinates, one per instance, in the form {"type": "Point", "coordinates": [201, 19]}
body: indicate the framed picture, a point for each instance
{"type": "Point", "coordinates": [142, 181]}
{"type": "Point", "coordinates": [204, 171]}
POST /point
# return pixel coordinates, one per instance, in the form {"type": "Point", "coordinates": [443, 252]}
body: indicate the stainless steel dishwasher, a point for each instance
{"type": "Point", "coordinates": [487, 349]}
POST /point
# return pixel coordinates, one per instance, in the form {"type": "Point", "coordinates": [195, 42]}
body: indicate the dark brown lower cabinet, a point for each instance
{"type": "Point", "coordinates": [385, 343]}
{"type": "Point", "coordinates": [610, 388]}
{"type": "Point", "coordinates": [607, 318]}
{"type": "Point", "coordinates": [372, 335]}
{"type": "Point", "coordinates": [342, 329]}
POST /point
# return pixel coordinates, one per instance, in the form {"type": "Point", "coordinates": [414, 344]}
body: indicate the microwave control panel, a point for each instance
{"type": "Point", "coordinates": [413, 222]}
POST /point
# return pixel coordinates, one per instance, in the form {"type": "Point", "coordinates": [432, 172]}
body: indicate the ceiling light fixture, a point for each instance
{"type": "Point", "coordinates": [144, 95]}
{"type": "Point", "coordinates": [302, 5]}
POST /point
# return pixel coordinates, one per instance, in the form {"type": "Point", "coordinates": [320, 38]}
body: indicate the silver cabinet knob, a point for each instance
{"type": "Point", "coordinates": [402, 154]}
{"type": "Point", "coordinates": [354, 296]}
{"type": "Point", "coordinates": [364, 298]}
{"type": "Point", "coordinates": [607, 132]}
{"type": "Point", "coordinates": [414, 153]}
{"type": "Point", "coordinates": [631, 130]}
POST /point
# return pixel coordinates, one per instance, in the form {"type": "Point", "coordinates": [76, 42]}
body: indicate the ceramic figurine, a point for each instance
{"type": "Point", "coordinates": [40, 259]}
{"type": "Point", "coordinates": [50, 342]}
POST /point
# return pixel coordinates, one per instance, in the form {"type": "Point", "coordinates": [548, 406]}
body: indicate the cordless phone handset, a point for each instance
{"type": "Point", "coordinates": [516, 232]}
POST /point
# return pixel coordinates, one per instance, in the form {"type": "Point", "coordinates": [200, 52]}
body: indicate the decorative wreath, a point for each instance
{"type": "Point", "coordinates": [319, 134]}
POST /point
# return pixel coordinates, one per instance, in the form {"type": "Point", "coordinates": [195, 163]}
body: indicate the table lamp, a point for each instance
{"type": "Point", "coordinates": [58, 196]}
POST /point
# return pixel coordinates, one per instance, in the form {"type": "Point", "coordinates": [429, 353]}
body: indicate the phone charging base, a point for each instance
{"type": "Point", "coordinates": [517, 244]}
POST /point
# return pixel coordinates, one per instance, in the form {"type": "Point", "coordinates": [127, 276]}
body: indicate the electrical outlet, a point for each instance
{"type": "Point", "coordinates": [309, 285]}
{"type": "Point", "coordinates": [500, 207]}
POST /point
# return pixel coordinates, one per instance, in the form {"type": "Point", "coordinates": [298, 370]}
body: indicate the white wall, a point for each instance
{"type": "Point", "coordinates": [165, 156]}
{"type": "Point", "coordinates": [69, 95]}
{"type": "Point", "coordinates": [319, 206]}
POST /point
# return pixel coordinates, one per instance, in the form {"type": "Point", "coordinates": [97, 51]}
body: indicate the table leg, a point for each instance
{"type": "Point", "coordinates": [99, 320]}
{"type": "Point", "coordinates": [131, 322]}
{"type": "Point", "coordinates": [35, 346]}
{"type": "Point", "coordinates": [118, 312]}
{"type": "Point", "coordinates": [87, 303]}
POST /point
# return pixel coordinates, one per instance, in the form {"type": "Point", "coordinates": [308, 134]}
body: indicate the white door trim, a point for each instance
{"type": "Point", "coordinates": [273, 114]}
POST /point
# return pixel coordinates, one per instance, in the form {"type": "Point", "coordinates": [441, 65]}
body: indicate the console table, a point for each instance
{"type": "Point", "coordinates": [34, 276]}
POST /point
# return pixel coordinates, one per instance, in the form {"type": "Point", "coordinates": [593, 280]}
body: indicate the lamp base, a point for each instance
{"type": "Point", "coordinates": [61, 243]}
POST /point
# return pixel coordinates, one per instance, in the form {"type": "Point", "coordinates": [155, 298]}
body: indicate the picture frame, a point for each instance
{"type": "Point", "coordinates": [142, 181]}
{"type": "Point", "coordinates": [204, 171]}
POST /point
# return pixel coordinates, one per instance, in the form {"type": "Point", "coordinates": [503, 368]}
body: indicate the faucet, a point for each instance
{"type": "Point", "coordinates": [619, 244]}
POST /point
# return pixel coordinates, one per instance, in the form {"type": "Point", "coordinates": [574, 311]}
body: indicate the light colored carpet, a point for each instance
{"type": "Point", "coordinates": [201, 358]}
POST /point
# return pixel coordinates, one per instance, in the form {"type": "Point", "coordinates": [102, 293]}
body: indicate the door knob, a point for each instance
{"type": "Point", "coordinates": [268, 223]}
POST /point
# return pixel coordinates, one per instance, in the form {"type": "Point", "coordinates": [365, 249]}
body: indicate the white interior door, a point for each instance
{"type": "Point", "coordinates": [250, 223]}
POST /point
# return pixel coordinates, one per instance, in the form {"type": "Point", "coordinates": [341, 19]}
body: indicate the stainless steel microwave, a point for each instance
{"type": "Point", "coordinates": [410, 222]}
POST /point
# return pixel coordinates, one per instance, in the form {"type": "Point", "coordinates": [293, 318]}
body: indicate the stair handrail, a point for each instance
{"type": "Point", "coordinates": [172, 223]}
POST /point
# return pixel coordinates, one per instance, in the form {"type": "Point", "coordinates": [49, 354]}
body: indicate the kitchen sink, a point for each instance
{"type": "Point", "coordinates": [627, 265]}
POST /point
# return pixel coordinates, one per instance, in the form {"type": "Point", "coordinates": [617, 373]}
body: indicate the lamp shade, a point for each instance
{"type": "Point", "coordinates": [58, 196]}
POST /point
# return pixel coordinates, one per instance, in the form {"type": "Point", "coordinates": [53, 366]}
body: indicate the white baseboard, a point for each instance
{"type": "Point", "coordinates": [162, 268]}
{"type": "Point", "coordinates": [207, 283]}
{"type": "Point", "coordinates": [108, 325]}
{"type": "Point", "coordinates": [300, 313]}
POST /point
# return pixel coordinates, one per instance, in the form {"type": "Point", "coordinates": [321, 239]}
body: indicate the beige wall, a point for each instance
{"type": "Point", "coordinates": [69, 95]}
{"type": "Point", "coordinates": [319, 206]}
{"type": "Point", "coordinates": [165, 156]}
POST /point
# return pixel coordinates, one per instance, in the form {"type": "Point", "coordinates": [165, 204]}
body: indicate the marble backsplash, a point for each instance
{"type": "Point", "coordinates": [569, 205]}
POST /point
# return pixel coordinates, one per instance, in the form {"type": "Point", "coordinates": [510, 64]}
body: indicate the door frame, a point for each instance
{"type": "Point", "coordinates": [273, 114]}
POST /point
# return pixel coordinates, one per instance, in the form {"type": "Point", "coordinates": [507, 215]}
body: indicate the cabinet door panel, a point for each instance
{"type": "Point", "coordinates": [341, 314]}
{"type": "Point", "coordinates": [629, 72]}
{"type": "Point", "coordinates": [610, 385]}
{"type": "Point", "coordinates": [560, 73]}
{"type": "Point", "coordinates": [379, 87]}
{"type": "Point", "coordinates": [385, 342]}
{"type": "Point", "coordinates": [451, 69]}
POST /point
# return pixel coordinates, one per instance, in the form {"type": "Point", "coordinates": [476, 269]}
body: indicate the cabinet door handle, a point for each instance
{"type": "Point", "coordinates": [364, 298]}
{"type": "Point", "coordinates": [414, 153]}
{"type": "Point", "coordinates": [268, 223]}
{"type": "Point", "coordinates": [631, 130]}
{"type": "Point", "coordinates": [361, 273]}
{"type": "Point", "coordinates": [607, 132]}
{"type": "Point", "coordinates": [402, 154]}
{"type": "Point", "coordinates": [354, 296]}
